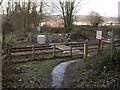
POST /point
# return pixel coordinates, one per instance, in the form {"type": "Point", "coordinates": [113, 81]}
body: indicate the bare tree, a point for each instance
{"type": "Point", "coordinates": [21, 14]}
{"type": "Point", "coordinates": [1, 2]}
{"type": "Point", "coordinates": [68, 8]}
{"type": "Point", "coordinates": [6, 25]}
{"type": "Point", "coordinates": [95, 19]}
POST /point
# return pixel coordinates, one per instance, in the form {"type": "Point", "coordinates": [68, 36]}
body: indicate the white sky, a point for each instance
{"type": "Point", "coordinates": [104, 7]}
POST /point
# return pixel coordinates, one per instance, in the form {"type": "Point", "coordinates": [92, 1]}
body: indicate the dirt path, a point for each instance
{"type": "Point", "coordinates": [48, 76]}
{"type": "Point", "coordinates": [69, 76]}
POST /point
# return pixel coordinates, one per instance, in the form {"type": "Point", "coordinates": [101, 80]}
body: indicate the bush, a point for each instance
{"type": "Point", "coordinates": [82, 33]}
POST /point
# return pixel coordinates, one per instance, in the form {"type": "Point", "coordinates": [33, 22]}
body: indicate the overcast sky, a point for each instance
{"type": "Point", "coordinates": [104, 7]}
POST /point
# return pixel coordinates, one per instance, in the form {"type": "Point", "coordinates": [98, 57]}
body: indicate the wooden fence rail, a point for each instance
{"type": "Point", "coordinates": [50, 50]}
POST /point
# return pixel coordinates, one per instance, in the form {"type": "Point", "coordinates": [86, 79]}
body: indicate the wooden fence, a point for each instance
{"type": "Point", "coordinates": [40, 52]}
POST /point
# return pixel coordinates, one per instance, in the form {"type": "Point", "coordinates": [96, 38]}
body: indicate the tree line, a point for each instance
{"type": "Point", "coordinates": [21, 17]}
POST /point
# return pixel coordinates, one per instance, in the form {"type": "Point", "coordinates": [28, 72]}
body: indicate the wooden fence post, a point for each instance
{"type": "Point", "coordinates": [101, 45]}
{"type": "Point", "coordinates": [70, 49]}
{"type": "Point", "coordinates": [53, 50]}
{"type": "Point", "coordinates": [43, 54]}
{"type": "Point", "coordinates": [85, 49]}
{"type": "Point", "coordinates": [33, 52]}
{"type": "Point", "coordinates": [8, 54]}
{"type": "Point", "coordinates": [112, 44]}
{"type": "Point", "coordinates": [7, 51]}
{"type": "Point", "coordinates": [10, 51]}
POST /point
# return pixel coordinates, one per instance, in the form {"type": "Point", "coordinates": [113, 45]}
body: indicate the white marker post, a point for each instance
{"type": "Point", "coordinates": [99, 37]}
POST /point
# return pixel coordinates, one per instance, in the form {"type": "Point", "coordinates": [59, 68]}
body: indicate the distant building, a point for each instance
{"type": "Point", "coordinates": [57, 21]}
{"type": "Point", "coordinates": [110, 20]}
{"type": "Point", "coordinates": [53, 21]}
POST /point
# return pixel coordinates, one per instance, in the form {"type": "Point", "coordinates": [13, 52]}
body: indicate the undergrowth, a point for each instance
{"type": "Point", "coordinates": [99, 71]}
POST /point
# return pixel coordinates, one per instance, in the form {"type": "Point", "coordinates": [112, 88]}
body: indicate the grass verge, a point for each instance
{"type": "Point", "coordinates": [98, 71]}
{"type": "Point", "coordinates": [29, 74]}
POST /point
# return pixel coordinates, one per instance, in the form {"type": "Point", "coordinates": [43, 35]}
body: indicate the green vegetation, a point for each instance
{"type": "Point", "coordinates": [10, 37]}
{"type": "Point", "coordinates": [99, 72]}
{"type": "Point", "coordinates": [28, 75]}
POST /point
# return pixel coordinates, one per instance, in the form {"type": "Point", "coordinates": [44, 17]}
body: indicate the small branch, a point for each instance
{"type": "Point", "coordinates": [1, 2]}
